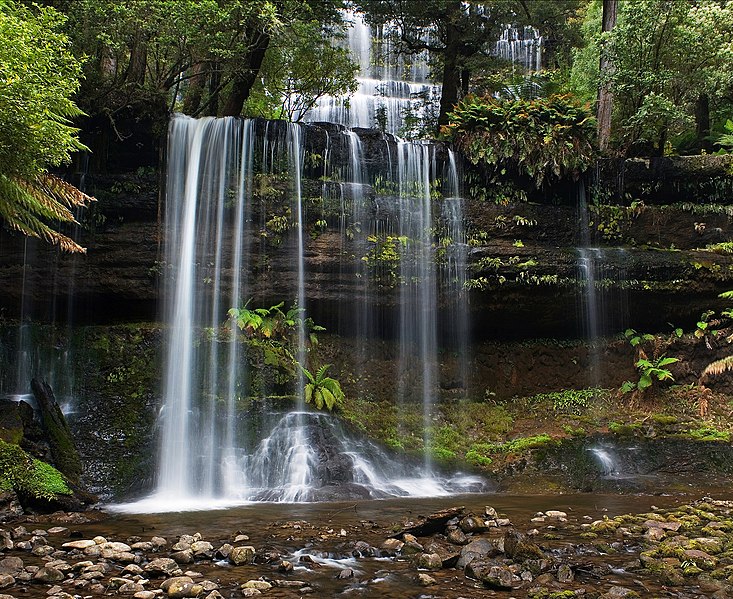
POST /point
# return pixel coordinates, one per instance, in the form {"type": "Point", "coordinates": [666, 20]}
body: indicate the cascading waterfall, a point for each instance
{"type": "Point", "coordinates": [215, 449]}
{"type": "Point", "coordinates": [521, 46]}
{"type": "Point", "coordinates": [389, 87]}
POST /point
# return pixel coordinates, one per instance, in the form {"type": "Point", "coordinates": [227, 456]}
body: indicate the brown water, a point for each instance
{"type": "Point", "coordinates": [327, 532]}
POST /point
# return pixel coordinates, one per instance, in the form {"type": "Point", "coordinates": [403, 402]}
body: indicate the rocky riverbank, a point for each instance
{"type": "Point", "coordinates": [684, 551]}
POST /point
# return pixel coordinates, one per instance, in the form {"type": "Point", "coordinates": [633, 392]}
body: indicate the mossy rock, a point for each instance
{"type": "Point", "coordinates": [29, 477]}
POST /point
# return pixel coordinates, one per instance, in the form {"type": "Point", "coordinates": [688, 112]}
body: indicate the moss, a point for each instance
{"type": "Point", "coordinates": [26, 475]}
{"type": "Point", "coordinates": [624, 430]}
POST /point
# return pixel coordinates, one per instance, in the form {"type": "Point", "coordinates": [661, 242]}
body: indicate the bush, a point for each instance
{"type": "Point", "coordinates": [539, 139]}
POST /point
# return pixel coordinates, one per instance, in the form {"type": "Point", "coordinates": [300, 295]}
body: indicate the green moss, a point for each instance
{"type": "Point", "coordinates": [705, 433]}
{"type": "Point", "coordinates": [28, 476]}
{"type": "Point", "coordinates": [624, 430]}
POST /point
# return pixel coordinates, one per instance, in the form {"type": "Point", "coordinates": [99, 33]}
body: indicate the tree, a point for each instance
{"type": "Point", "coordinates": [605, 95]}
{"type": "Point", "coordinates": [38, 77]}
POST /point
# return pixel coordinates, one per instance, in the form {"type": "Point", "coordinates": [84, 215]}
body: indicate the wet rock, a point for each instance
{"type": "Point", "coordinates": [503, 522]}
{"type": "Point", "coordinates": [130, 587]}
{"type": "Point", "coordinates": [240, 538]}
{"type": "Point", "coordinates": [48, 575]}
{"type": "Point", "coordinates": [224, 551]}
{"type": "Point", "coordinates": [619, 593]}
{"type": "Point", "coordinates": [345, 573]}
{"type": "Point", "coordinates": [364, 549]}
{"type": "Point", "coordinates": [428, 561]}
{"type": "Point", "coordinates": [492, 576]}
{"type": "Point", "coordinates": [457, 536]}
{"type": "Point", "coordinates": [478, 549]}
{"type": "Point", "coordinates": [518, 547]}
{"type": "Point", "coordinates": [144, 595]}
{"type": "Point", "coordinates": [145, 546]}
{"type": "Point", "coordinates": [209, 585]}
{"type": "Point", "coordinates": [132, 569]}
{"type": "Point", "coordinates": [250, 592]}
{"type": "Point", "coordinates": [162, 566]}
{"type": "Point", "coordinates": [260, 585]}
{"type": "Point", "coordinates": [58, 531]}
{"type": "Point", "coordinates": [6, 580]}
{"type": "Point", "coordinates": [555, 514]}
{"type": "Point", "coordinates": [81, 544]}
{"type": "Point", "coordinates": [565, 574]}
{"type": "Point", "coordinates": [392, 546]}
{"type": "Point", "coordinates": [292, 584]}
{"type": "Point", "coordinates": [673, 526]}
{"type": "Point", "coordinates": [202, 549]}
{"type": "Point", "coordinates": [183, 557]}
{"type": "Point", "coordinates": [11, 565]}
{"type": "Point", "coordinates": [411, 545]}
{"type": "Point", "coordinates": [490, 512]}
{"type": "Point", "coordinates": [426, 580]}
{"type": "Point", "coordinates": [471, 524]}
{"type": "Point", "coordinates": [179, 587]}
{"type": "Point", "coordinates": [159, 542]}
{"type": "Point", "coordinates": [655, 535]}
{"type": "Point", "coordinates": [285, 566]}
{"type": "Point", "coordinates": [214, 595]}
{"type": "Point", "coordinates": [6, 542]}
{"type": "Point", "coordinates": [242, 555]}
{"type": "Point", "coordinates": [42, 550]}
{"type": "Point", "coordinates": [426, 526]}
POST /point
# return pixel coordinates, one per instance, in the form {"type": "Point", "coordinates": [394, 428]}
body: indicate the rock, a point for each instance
{"type": "Point", "coordinates": [392, 546]}
{"type": "Point", "coordinates": [491, 575]}
{"type": "Point", "coordinates": [555, 514]}
{"type": "Point", "coordinates": [159, 541]}
{"type": "Point", "coordinates": [565, 574]}
{"type": "Point", "coordinates": [214, 595]}
{"type": "Point", "coordinates": [145, 546]}
{"type": "Point", "coordinates": [242, 555]}
{"type": "Point", "coordinates": [132, 569]}
{"type": "Point", "coordinates": [48, 575]}
{"type": "Point", "coordinates": [285, 566]}
{"type": "Point", "coordinates": [162, 566]}
{"type": "Point", "coordinates": [241, 538]}
{"type": "Point", "coordinates": [178, 587]}
{"type": "Point", "coordinates": [99, 540]}
{"type": "Point", "coordinates": [144, 595]}
{"type": "Point", "coordinates": [183, 557]}
{"type": "Point", "coordinates": [58, 530]}
{"type": "Point", "coordinates": [472, 524]}
{"type": "Point", "coordinates": [345, 573]}
{"type": "Point", "coordinates": [618, 593]}
{"type": "Point", "coordinates": [428, 561]}
{"type": "Point", "coordinates": [224, 551]}
{"type": "Point", "coordinates": [6, 542]}
{"type": "Point", "coordinates": [209, 585]}
{"type": "Point", "coordinates": [11, 565]}
{"type": "Point", "coordinates": [130, 587]}
{"type": "Point", "coordinates": [655, 534]}
{"type": "Point", "coordinates": [503, 522]}
{"type": "Point", "coordinates": [293, 584]}
{"type": "Point", "coordinates": [250, 592]}
{"type": "Point", "coordinates": [411, 545]}
{"type": "Point", "coordinates": [478, 549]}
{"type": "Point", "coordinates": [42, 550]}
{"type": "Point", "coordinates": [457, 536]}
{"type": "Point", "coordinates": [181, 546]}
{"type": "Point", "coordinates": [260, 585]}
{"type": "Point", "coordinates": [490, 512]}
{"type": "Point", "coordinates": [426, 526]}
{"type": "Point", "coordinates": [81, 544]}
{"type": "Point", "coordinates": [518, 547]}
{"type": "Point", "coordinates": [425, 580]}
{"type": "Point", "coordinates": [673, 526]}
{"type": "Point", "coordinates": [6, 580]}
{"type": "Point", "coordinates": [202, 549]}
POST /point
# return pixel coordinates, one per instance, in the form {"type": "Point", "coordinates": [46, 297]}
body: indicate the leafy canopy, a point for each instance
{"type": "Point", "coordinates": [38, 77]}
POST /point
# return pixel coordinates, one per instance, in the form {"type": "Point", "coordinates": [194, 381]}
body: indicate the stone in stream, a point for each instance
{"type": "Point", "coordinates": [224, 551]}
{"type": "Point", "coordinates": [345, 573]}
{"type": "Point", "coordinates": [518, 547]}
{"type": "Point", "coordinates": [260, 585]}
{"type": "Point", "coordinates": [5, 540]}
{"type": "Point", "coordinates": [144, 595]}
{"type": "Point", "coordinates": [162, 566]}
{"type": "Point", "coordinates": [425, 580]}
{"type": "Point", "coordinates": [6, 580]}
{"type": "Point", "coordinates": [471, 524]}
{"type": "Point", "coordinates": [456, 536]}
{"type": "Point", "coordinates": [180, 587]}
{"type": "Point", "coordinates": [478, 549]}
{"type": "Point", "coordinates": [392, 546]}
{"type": "Point", "coordinates": [183, 557]}
{"type": "Point", "coordinates": [250, 592]}
{"type": "Point", "coordinates": [242, 555]}
{"type": "Point", "coordinates": [48, 575]}
{"type": "Point", "coordinates": [619, 593]}
{"type": "Point", "coordinates": [81, 544]}
{"type": "Point", "coordinates": [428, 525]}
{"type": "Point", "coordinates": [202, 549]}
{"type": "Point", "coordinates": [428, 561]}
{"type": "Point", "coordinates": [411, 545]}
{"type": "Point", "coordinates": [565, 574]}
{"type": "Point", "coordinates": [492, 576]}
{"type": "Point", "coordinates": [11, 565]}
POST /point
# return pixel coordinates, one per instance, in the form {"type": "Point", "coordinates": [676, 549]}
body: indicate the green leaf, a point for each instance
{"type": "Point", "coordinates": [645, 382]}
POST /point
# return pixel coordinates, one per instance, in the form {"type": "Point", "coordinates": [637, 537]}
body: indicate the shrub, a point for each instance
{"type": "Point", "coordinates": [28, 476]}
{"type": "Point", "coordinates": [539, 139]}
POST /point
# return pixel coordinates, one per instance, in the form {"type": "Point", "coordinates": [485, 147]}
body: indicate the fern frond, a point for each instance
{"type": "Point", "coordinates": [719, 366]}
{"type": "Point", "coordinates": [322, 372]}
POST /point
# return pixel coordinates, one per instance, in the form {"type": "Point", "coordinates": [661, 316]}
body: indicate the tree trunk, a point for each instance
{"type": "Point", "coordinates": [195, 91]}
{"type": "Point", "coordinates": [702, 122]}
{"type": "Point", "coordinates": [451, 71]}
{"type": "Point", "coordinates": [605, 96]}
{"type": "Point", "coordinates": [245, 78]}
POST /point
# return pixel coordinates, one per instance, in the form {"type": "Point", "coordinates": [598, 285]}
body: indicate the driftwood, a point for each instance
{"type": "Point", "coordinates": [63, 450]}
{"type": "Point", "coordinates": [428, 525]}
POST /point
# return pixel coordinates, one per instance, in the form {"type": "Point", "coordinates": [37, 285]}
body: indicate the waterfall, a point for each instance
{"type": "Point", "coordinates": [390, 87]}
{"type": "Point", "coordinates": [521, 46]}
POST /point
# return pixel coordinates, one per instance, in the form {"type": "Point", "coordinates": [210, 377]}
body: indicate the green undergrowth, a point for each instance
{"type": "Point", "coordinates": [29, 476]}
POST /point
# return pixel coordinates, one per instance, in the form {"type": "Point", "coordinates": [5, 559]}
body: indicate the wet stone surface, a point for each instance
{"type": "Point", "coordinates": [677, 551]}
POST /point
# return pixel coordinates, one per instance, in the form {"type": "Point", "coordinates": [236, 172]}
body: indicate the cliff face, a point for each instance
{"type": "Point", "coordinates": [528, 264]}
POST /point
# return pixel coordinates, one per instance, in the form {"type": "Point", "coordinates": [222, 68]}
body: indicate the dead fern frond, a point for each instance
{"type": "Point", "coordinates": [718, 366]}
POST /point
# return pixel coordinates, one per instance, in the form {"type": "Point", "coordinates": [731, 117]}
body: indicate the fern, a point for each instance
{"type": "Point", "coordinates": [718, 366]}
{"type": "Point", "coordinates": [321, 390]}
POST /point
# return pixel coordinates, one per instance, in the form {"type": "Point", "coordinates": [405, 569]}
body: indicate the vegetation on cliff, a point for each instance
{"type": "Point", "coordinates": [29, 476]}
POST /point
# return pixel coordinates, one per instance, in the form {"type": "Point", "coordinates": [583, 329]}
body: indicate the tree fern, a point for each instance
{"type": "Point", "coordinates": [321, 390]}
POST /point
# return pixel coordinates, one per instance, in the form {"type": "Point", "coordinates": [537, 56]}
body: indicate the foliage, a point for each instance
{"type": "Point", "coordinates": [570, 401]}
{"type": "Point", "coordinates": [665, 55]}
{"type": "Point", "coordinates": [273, 323]}
{"type": "Point", "coordinates": [708, 434]}
{"type": "Point", "coordinates": [301, 66]}
{"type": "Point", "coordinates": [543, 139]}
{"type": "Point", "coordinates": [38, 77]}
{"type": "Point", "coordinates": [725, 141]}
{"type": "Point", "coordinates": [323, 391]}
{"type": "Point", "coordinates": [28, 476]}
{"type": "Point", "coordinates": [649, 368]}
{"type": "Point", "coordinates": [476, 456]}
